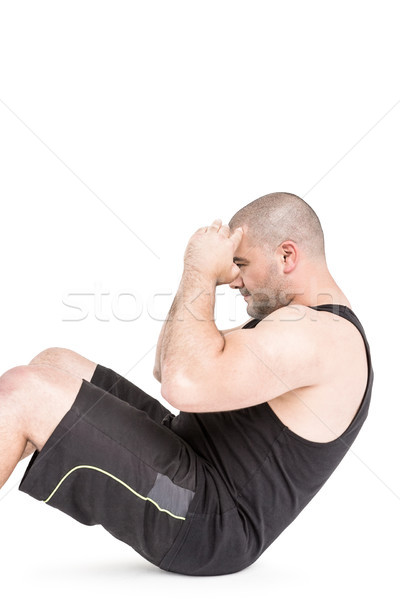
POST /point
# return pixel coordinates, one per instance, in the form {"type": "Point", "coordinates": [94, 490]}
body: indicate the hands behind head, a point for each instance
{"type": "Point", "coordinates": [210, 252]}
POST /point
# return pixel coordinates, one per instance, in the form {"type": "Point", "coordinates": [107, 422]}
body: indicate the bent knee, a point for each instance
{"type": "Point", "coordinates": [16, 377]}
{"type": "Point", "coordinates": [27, 377]}
{"type": "Point", "coordinates": [52, 356]}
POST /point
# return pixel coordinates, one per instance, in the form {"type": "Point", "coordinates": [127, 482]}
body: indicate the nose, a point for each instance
{"type": "Point", "coordinates": [237, 283]}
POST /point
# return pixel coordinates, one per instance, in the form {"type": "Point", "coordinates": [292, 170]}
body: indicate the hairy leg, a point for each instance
{"type": "Point", "coordinates": [33, 400]}
{"type": "Point", "coordinates": [67, 360]}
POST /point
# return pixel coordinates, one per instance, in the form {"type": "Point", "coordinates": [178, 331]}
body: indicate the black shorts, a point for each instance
{"type": "Point", "coordinates": [113, 460]}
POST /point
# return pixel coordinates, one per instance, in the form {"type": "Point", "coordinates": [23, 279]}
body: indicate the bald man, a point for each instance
{"type": "Point", "coordinates": [267, 410]}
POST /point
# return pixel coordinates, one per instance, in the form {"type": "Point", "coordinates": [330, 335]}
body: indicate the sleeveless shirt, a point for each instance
{"type": "Point", "coordinates": [260, 468]}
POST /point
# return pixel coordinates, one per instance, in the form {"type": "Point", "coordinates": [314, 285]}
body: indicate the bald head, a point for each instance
{"type": "Point", "coordinates": [277, 217]}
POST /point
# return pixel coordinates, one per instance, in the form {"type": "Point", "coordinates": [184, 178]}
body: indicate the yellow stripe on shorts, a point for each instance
{"type": "Point", "coordinates": [119, 481]}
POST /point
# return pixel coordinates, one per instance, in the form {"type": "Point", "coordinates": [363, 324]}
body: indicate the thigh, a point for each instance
{"type": "Point", "coordinates": [116, 384]}
{"type": "Point", "coordinates": [111, 464]}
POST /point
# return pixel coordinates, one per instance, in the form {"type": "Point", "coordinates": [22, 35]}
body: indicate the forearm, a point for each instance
{"type": "Point", "coordinates": [157, 362]}
{"type": "Point", "coordinates": [191, 339]}
{"type": "Point", "coordinates": [161, 339]}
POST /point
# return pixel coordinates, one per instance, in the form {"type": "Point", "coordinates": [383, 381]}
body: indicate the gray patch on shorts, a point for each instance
{"type": "Point", "coordinates": [170, 496]}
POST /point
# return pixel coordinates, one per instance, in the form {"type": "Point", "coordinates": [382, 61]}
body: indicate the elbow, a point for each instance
{"type": "Point", "coordinates": [177, 395]}
{"type": "Point", "coordinates": [157, 375]}
{"type": "Point", "coordinates": [171, 395]}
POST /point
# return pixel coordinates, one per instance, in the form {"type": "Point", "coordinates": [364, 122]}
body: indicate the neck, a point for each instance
{"type": "Point", "coordinates": [318, 287]}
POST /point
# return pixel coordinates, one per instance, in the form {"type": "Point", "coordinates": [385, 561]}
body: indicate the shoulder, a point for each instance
{"type": "Point", "coordinates": [300, 337]}
{"type": "Point", "coordinates": [285, 351]}
{"type": "Point", "coordinates": [301, 320]}
{"type": "Point", "coordinates": [323, 337]}
{"type": "Point", "coordinates": [292, 313]}
{"type": "Point", "coordinates": [297, 319]}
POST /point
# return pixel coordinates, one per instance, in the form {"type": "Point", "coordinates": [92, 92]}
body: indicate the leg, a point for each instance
{"type": "Point", "coordinates": [108, 463]}
{"type": "Point", "coordinates": [103, 377]}
{"type": "Point", "coordinates": [103, 461]}
{"type": "Point", "coordinates": [67, 360]}
{"type": "Point", "coordinates": [33, 399]}
{"type": "Point", "coordinates": [29, 448]}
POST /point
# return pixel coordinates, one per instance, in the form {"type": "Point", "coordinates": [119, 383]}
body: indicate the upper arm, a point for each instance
{"type": "Point", "coordinates": [157, 372]}
{"type": "Point", "coordinates": [255, 366]}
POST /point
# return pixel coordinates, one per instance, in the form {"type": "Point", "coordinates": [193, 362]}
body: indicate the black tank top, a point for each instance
{"type": "Point", "coordinates": [271, 472]}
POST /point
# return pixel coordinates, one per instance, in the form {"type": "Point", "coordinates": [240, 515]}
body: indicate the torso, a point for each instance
{"type": "Point", "coordinates": [322, 412]}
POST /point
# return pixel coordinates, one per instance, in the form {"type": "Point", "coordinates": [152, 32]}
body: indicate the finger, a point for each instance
{"type": "Point", "coordinates": [237, 236]}
{"type": "Point", "coordinates": [225, 229]}
{"type": "Point", "coordinates": [216, 223]}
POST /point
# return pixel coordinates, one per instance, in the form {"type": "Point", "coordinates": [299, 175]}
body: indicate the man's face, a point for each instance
{"type": "Point", "coordinates": [260, 281]}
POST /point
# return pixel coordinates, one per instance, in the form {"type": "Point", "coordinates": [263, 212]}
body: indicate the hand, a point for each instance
{"type": "Point", "coordinates": [210, 252]}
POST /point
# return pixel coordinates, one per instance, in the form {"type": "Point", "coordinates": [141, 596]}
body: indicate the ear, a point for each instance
{"type": "Point", "coordinates": [289, 255]}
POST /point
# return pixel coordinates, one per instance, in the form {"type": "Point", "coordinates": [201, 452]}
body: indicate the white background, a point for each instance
{"type": "Point", "coordinates": [124, 127]}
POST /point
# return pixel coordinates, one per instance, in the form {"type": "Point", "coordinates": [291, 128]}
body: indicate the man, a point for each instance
{"type": "Point", "coordinates": [267, 410]}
